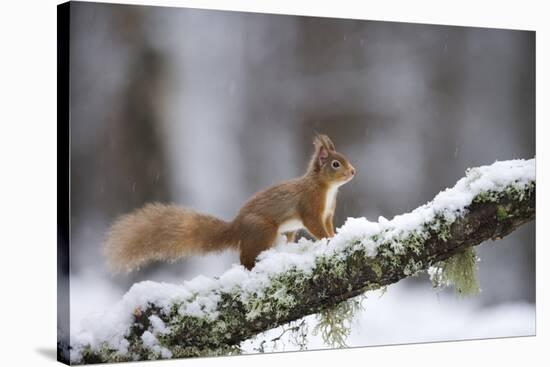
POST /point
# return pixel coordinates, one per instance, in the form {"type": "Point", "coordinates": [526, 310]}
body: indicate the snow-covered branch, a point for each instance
{"type": "Point", "coordinates": [208, 316]}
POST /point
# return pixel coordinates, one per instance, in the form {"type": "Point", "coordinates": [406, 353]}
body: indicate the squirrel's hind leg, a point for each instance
{"type": "Point", "coordinates": [257, 237]}
{"type": "Point", "coordinates": [290, 236]}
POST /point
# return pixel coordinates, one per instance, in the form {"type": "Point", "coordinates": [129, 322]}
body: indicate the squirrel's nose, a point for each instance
{"type": "Point", "coordinates": [352, 171]}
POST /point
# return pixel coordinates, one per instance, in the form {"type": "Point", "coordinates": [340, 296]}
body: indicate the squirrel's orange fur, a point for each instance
{"type": "Point", "coordinates": [167, 233]}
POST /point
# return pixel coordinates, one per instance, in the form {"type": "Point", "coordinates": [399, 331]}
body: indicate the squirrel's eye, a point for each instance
{"type": "Point", "coordinates": [335, 164]}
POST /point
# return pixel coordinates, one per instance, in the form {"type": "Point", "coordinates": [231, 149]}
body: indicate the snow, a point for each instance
{"type": "Point", "coordinates": [451, 202]}
{"type": "Point", "coordinates": [151, 342]}
{"type": "Point", "coordinates": [149, 339]}
{"type": "Point", "coordinates": [158, 325]}
{"type": "Point", "coordinates": [200, 296]}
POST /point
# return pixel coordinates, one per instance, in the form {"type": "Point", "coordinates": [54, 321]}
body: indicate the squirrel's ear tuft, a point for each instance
{"type": "Point", "coordinates": [321, 151]}
{"type": "Point", "coordinates": [323, 146]}
{"type": "Point", "coordinates": [324, 141]}
{"type": "Point", "coordinates": [322, 155]}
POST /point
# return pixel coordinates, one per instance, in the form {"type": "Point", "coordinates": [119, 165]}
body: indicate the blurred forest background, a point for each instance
{"type": "Point", "coordinates": [204, 108]}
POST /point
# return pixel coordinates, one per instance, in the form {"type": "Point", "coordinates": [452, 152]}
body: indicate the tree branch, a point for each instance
{"type": "Point", "coordinates": [212, 316]}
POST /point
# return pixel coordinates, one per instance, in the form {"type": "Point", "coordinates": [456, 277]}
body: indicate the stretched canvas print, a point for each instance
{"type": "Point", "coordinates": [239, 183]}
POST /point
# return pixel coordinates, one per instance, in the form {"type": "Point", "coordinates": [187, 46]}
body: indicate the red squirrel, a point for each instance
{"type": "Point", "coordinates": [166, 232]}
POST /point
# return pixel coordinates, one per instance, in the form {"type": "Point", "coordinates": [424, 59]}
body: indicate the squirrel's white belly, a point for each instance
{"type": "Point", "coordinates": [329, 199]}
{"type": "Point", "coordinates": [290, 226]}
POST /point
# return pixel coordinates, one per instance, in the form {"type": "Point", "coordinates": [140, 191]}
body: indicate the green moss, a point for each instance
{"type": "Point", "coordinates": [511, 191]}
{"type": "Point", "coordinates": [376, 268]}
{"type": "Point", "coordinates": [501, 213]}
{"type": "Point", "coordinates": [333, 266]}
{"type": "Point", "coordinates": [444, 231]}
{"type": "Point", "coordinates": [406, 256]}
{"type": "Point", "coordinates": [412, 267]}
{"type": "Point", "coordinates": [388, 257]}
{"type": "Point", "coordinates": [415, 243]}
{"type": "Point", "coordinates": [192, 351]}
{"type": "Point", "coordinates": [486, 196]}
{"type": "Point", "coordinates": [460, 272]}
{"type": "Point", "coordinates": [102, 354]}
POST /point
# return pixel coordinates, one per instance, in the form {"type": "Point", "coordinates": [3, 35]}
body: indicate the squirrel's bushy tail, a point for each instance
{"type": "Point", "coordinates": [159, 232]}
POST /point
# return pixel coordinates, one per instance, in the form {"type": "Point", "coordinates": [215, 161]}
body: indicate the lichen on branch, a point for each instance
{"type": "Point", "coordinates": [458, 271]}
{"type": "Point", "coordinates": [212, 316]}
